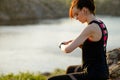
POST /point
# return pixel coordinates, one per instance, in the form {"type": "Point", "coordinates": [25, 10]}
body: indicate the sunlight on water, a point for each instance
{"type": "Point", "coordinates": [35, 47]}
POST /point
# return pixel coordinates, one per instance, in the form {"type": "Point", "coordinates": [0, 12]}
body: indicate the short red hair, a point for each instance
{"type": "Point", "coordinates": [73, 4]}
{"type": "Point", "coordinates": [80, 4]}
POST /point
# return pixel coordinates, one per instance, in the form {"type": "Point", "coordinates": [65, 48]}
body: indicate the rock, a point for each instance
{"type": "Point", "coordinates": [26, 11]}
{"type": "Point", "coordinates": [113, 59]}
{"type": "Point", "coordinates": [16, 12]}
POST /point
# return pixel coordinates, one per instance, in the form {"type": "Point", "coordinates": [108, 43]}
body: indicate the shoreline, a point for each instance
{"type": "Point", "coordinates": [17, 22]}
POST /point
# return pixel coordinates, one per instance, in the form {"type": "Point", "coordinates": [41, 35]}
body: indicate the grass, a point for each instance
{"type": "Point", "coordinates": [23, 76]}
{"type": "Point", "coordinates": [29, 76]}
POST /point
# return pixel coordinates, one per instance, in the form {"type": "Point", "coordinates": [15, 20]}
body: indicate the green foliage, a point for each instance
{"type": "Point", "coordinates": [30, 76]}
{"type": "Point", "coordinates": [23, 76]}
{"type": "Point", "coordinates": [57, 72]}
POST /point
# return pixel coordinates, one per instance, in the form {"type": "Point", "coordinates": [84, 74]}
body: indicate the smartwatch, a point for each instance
{"type": "Point", "coordinates": [61, 44]}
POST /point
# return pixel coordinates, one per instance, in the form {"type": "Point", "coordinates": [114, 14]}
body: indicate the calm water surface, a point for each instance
{"type": "Point", "coordinates": [34, 48]}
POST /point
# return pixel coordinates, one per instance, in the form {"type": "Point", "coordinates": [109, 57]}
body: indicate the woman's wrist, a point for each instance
{"type": "Point", "coordinates": [61, 44]}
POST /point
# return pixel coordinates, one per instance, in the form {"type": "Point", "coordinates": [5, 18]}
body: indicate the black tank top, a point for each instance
{"type": "Point", "coordinates": [94, 54]}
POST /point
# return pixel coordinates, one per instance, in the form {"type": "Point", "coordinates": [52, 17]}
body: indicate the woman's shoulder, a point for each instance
{"type": "Point", "coordinates": [93, 27]}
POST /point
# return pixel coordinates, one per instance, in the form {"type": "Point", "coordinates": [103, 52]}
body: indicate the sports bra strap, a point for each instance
{"type": "Point", "coordinates": [94, 21]}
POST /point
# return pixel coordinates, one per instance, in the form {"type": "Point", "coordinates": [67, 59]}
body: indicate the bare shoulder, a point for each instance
{"type": "Point", "coordinates": [94, 27]}
{"type": "Point", "coordinates": [92, 31]}
{"type": "Point", "coordinates": [95, 30]}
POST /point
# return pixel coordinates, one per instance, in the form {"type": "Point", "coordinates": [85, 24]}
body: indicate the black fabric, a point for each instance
{"type": "Point", "coordinates": [94, 56]}
{"type": "Point", "coordinates": [74, 68]}
{"type": "Point", "coordinates": [79, 75]}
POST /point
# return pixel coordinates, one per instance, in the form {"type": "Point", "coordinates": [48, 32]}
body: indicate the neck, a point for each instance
{"type": "Point", "coordinates": [90, 18]}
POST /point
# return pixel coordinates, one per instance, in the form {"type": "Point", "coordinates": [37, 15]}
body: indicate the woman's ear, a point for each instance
{"type": "Point", "coordinates": [85, 10]}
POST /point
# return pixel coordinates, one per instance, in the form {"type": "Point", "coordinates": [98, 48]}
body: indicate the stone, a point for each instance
{"type": "Point", "coordinates": [26, 11]}
{"type": "Point", "coordinates": [113, 59]}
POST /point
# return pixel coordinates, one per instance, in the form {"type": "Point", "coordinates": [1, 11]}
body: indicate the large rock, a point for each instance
{"type": "Point", "coordinates": [113, 58]}
{"type": "Point", "coordinates": [25, 11]}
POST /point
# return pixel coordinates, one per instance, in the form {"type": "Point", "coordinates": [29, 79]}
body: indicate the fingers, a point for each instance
{"type": "Point", "coordinates": [65, 43]}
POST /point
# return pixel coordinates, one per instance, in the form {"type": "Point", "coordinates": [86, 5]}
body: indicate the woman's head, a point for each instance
{"type": "Point", "coordinates": [81, 4]}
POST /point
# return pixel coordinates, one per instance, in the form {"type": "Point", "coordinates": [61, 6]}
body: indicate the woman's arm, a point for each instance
{"type": "Point", "coordinates": [87, 32]}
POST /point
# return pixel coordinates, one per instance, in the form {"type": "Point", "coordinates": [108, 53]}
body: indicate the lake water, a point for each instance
{"type": "Point", "coordinates": [34, 48]}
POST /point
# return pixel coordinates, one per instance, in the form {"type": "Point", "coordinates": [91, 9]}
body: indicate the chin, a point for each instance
{"type": "Point", "coordinates": [82, 21]}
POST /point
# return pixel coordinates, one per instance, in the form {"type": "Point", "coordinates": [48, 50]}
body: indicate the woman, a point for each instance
{"type": "Point", "coordinates": [92, 41]}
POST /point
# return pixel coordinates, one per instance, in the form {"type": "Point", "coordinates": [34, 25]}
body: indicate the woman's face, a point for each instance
{"type": "Point", "coordinates": [79, 15]}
